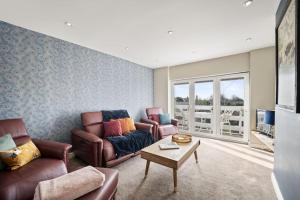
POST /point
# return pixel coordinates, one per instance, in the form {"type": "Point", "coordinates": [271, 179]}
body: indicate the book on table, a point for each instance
{"type": "Point", "coordinates": [167, 146]}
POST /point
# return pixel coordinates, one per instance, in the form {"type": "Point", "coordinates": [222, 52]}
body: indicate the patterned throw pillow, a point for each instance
{"type": "Point", "coordinates": [130, 123]}
{"type": "Point", "coordinates": [112, 128]}
{"type": "Point", "coordinates": [20, 156]}
{"type": "Point", "coordinates": [155, 117]}
{"type": "Point", "coordinates": [6, 143]}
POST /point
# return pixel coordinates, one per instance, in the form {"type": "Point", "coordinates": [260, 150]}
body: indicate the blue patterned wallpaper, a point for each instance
{"type": "Point", "coordinates": [49, 82]}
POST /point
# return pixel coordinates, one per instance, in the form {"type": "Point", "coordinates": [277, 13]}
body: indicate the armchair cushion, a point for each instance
{"type": "Point", "coordinates": [155, 117]}
{"type": "Point", "coordinates": [51, 149]}
{"type": "Point", "coordinates": [166, 130]}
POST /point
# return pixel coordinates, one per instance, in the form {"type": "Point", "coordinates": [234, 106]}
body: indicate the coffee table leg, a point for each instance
{"type": "Point", "coordinates": [196, 156]}
{"type": "Point", "coordinates": [147, 167]}
{"type": "Point", "coordinates": [175, 179]}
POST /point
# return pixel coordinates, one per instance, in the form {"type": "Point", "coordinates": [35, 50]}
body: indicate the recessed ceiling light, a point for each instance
{"type": "Point", "coordinates": [249, 39]}
{"type": "Point", "coordinates": [170, 32]}
{"type": "Point", "coordinates": [68, 24]}
{"type": "Point", "coordinates": [126, 48]}
{"type": "Point", "coordinates": [247, 3]}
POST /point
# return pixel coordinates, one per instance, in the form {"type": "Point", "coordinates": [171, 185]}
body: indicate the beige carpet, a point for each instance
{"type": "Point", "coordinates": [225, 171]}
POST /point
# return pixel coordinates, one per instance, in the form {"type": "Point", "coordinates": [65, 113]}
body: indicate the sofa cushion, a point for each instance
{"type": "Point", "coordinates": [166, 130]}
{"type": "Point", "coordinates": [112, 128]}
{"type": "Point", "coordinates": [21, 183]}
{"type": "Point", "coordinates": [108, 151]}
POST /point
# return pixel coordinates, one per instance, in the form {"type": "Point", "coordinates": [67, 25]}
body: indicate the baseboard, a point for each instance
{"type": "Point", "coordinates": [276, 187]}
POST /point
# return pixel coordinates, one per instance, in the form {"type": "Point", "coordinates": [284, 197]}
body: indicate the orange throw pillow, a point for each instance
{"type": "Point", "coordinates": [124, 125]}
{"type": "Point", "coordinates": [130, 123]}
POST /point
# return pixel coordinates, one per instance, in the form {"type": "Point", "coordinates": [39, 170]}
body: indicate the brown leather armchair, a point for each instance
{"type": "Point", "coordinates": [160, 131]}
{"type": "Point", "coordinates": [21, 183]}
{"type": "Point", "coordinates": [91, 146]}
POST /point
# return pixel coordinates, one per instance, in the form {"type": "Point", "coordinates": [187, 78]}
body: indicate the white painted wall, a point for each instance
{"type": "Point", "coordinates": [223, 65]}
{"type": "Point", "coordinates": [161, 88]}
{"type": "Point", "coordinates": [262, 81]}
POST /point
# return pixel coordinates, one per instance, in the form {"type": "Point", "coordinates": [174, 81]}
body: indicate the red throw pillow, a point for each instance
{"type": "Point", "coordinates": [112, 128]}
{"type": "Point", "coordinates": [154, 118]}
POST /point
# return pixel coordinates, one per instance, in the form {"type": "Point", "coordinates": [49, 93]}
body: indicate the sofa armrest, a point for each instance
{"type": "Point", "coordinates": [174, 122]}
{"type": "Point", "coordinates": [143, 126]}
{"type": "Point", "coordinates": [149, 121]}
{"type": "Point", "coordinates": [52, 149]}
{"type": "Point", "coordinates": [87, 147]}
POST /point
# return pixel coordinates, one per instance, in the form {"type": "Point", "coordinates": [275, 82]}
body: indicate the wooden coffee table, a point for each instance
{"type": "Point", "coordinates": [173, 158]}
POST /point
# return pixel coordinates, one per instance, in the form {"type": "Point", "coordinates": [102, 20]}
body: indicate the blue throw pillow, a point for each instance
{"type": "Point", "coordinates": [6, 143]}
{"type": "Point", "coordinates": [165, 118]}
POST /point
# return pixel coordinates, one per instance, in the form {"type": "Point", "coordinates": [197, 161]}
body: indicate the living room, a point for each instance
{"type": "Point", "coordinates": [149, 100]}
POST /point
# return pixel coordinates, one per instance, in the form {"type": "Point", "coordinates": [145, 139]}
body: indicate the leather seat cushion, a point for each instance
{"type": "Point", "coordinates": [108, 151]}
{"type": "Point", "coordinates": [166, 130]}
{"type": "Point", "coordinates": [107, 190]}
{"type": "Point", "coordinates": [21, 183]}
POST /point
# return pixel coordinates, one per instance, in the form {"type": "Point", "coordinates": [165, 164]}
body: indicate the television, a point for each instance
{"type": "Point", "coordinates": [265, 120]}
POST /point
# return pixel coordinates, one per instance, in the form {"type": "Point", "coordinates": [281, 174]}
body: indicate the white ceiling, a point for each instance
{"type": "Point", "coordinates": [203, 29]}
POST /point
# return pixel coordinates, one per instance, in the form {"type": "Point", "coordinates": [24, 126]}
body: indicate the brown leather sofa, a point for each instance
{"type": "Point", "coordinates": [160, 131]}
{"type": "Point", "coordinates": [90, 145]}
{"type": "Point", "coordinates": [21, 183]}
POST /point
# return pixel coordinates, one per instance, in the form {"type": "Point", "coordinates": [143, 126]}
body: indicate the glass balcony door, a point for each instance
{"type": "Point", "coordinates": [181, 101]}
{"type": "Point", "coordinates": [232, 102]}
{"type": "Point", "coordinates": [204, 107]}
{"type": "Point", "coordinates": [213, 107]}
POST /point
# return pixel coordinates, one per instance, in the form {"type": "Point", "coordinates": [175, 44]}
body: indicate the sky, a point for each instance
{"type": "Point", "coordinates": [205, 89]}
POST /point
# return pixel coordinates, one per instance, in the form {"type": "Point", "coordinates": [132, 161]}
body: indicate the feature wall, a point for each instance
{"type": "Point", "coordinates": [49, 82]}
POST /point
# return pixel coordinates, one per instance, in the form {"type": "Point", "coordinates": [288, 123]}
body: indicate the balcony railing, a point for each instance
{"type": "Point", "coordinates": [231, 119]}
